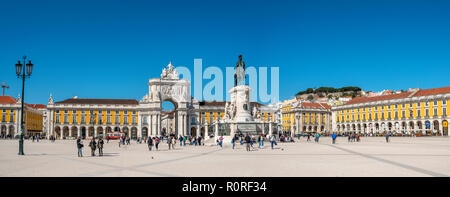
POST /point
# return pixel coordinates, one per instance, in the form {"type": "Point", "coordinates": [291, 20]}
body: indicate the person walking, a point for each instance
{"type": "Point", "coordinates": [309, 138]}
{"type": "Point", "coordinates": [150, 143]}
{"type": "Point", "coordinates": [232, 141]}
{"type": "Point", "coordinates": [169, 141]}
{"type": "Point", "coordinates": [37, 137]}
{"type": "Point", "coordinates": [248, 140]}
{"type": "Point", "coordinates": [93, 146]}
{"type": "Point", "coordinates": [180, 139]}
{"type": "Point", "coordinates": [220, 141]}
{"type": "Point", "coordinates": [387, 137]}
{"type": "Point", "coordinates": [272, 140]}
{"type": "Point", "coordinates": [261, 139]}
{"type": "Point", "coordinates": [80, 147]}
{"type": "Point", "coordinates": [184, 141]}
{"type": "Point", "coordinates": [100, 147]}
{"type": "Point", "coordinates": [333, 136]}
{"type": "Point", "coordinates": [199, 140]}
{"type": "Point", "coordinates": [174, 141]}
{"type": "Point", "coordinates": [156, 143]}
{"type": "Point", "coordinates": [318, 136]}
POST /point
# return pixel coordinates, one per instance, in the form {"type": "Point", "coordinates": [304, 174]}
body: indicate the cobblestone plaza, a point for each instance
{"type": "Point", "coordinates": [372, 157]}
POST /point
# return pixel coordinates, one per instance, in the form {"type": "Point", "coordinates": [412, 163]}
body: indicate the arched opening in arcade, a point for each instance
{"type": "Point", "coordinates": [203, 132]}
{"type": "Point", "coordinates": [74, 131]}
{"type": "Point", "coordinates": [3, 130]}
{"type": "Point", "coordinates": [126, 131]}
{"type": "Point", "coordinates": [108, 131]}
{"type": "Point", "coordinates": [91, 132]}
{"type": "Point", "coordinates": [57, 132]}
{"type": "Point", "coordinates": [133, 133]}
{"type": "Point", "coordinates": [193, 131]}
{"type": "Point", "coordinates": [436, 129]}
{"type": "Point", "coordinates": [65, 132]}
{"type": "Point", "coordinates": [11, 130]}
{"type": "Point", "coordinates": [83, 132]}
{"type": "Point", "coordinates": [99, 132]}
{"type": "Point", "coordinates": [144, 132]}
{"type": "Point", "coordinates": [169, 118]}
{"type": "Point", "coordinates": [419, 127]}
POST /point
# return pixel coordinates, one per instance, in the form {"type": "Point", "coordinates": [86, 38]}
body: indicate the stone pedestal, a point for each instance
{"type": "Point", "coordinates": [240, 97]}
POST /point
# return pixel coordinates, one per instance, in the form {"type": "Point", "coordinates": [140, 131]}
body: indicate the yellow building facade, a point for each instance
{"type": "Point", "coordinates": [422, 112]}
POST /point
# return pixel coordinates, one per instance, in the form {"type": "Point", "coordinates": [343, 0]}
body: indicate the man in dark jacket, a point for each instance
{"type": "Point", "coordinates": [80, 147]}
{"type": "Point", "coordinates": [93, 146]}
{"type": "Point", "coordinates": [248, 140]}
{"type": "Point", "coordinates": [100, 147]}
{"type": "Point", "coordinates": [150, 143]}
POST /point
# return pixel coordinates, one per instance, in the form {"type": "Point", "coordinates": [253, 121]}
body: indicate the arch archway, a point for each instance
{"type": "Point", "coordinates": [74, 131]}
{"type": "Point", "coordinates": [411, 125]}
{"type": "Point", "coordinates": [3, 130]}
{"type": "Point", "coordinates": [108, 130]}
{"type": "Point", "coordinates": [65, 132]}
{"type": "Point", "coordinates": [133, 133]}
{"type": "Point", "coordinates": [203, 132]}
{"type": "Point", "coordinates": [436, 129]}
{"type": "Point", "coordinates": [91, 132]}
{"type": "Point", "coordinates": [175, 90]}
{"type": "Point", "coordinates": [144, 132]}
{"type": "Point", "coordinates": [11, 131]}
{"type": "Point", "coordinates": [193, 131]}
{"type": "Point", "coordinates": [100, 132]}
{"type": "Point", "coordinates": [57, 132]}
{"type": "Point", "coordinates": [83, 132]}
{"type": "Point", "coordinates": [126, 131]}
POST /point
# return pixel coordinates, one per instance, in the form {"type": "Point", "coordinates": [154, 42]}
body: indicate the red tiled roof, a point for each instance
{"type": "Point", "coordinates": [433, 91]}
{"type": "Point", "coordinates": [100, 101]}
{"type": "Point", "coordinates": [424, 92]}
{"type": "Point", "coordinates": [378, 98]}
{"type": "Point", "coordinates": [36, 106]}
{"type": "Point", "coordinates": [7, 99]}
{"type": "Point", "coordinates": [316, 105]}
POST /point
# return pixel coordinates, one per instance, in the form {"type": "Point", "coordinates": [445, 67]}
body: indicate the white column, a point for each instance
{"type": "Point", "coordinates": [216, 130]}
{"type": "Point", "coordinates": [198, 130]}
{"type": "Point", "coordinates": [270, 128]}
{"type": "Point", "coordinates": [158, 123]}
{"type": "Point", "coordinates": [184, 124]}
{"type": "Point", "coordinates": [151, 127]}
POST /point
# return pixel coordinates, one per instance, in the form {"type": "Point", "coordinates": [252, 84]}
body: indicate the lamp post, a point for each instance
{"type": "Point", "coordinates": [20, 71]}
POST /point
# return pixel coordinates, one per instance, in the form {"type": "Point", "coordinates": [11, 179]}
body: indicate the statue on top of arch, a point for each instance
{"type": "Point", "coordinates": [169, 72]}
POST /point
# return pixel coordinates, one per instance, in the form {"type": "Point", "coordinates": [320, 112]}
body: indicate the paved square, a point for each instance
{"type": "Point", "coordinates": [403, 156]}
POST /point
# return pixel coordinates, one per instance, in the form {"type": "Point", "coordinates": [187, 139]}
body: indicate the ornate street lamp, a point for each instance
{"type": "Point", "coordinates": [20, 71]}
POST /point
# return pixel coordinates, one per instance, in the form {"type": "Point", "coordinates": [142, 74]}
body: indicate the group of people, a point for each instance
{"type": "Point", "coordinates": [6, 136]}
{"type": "Point", "coordinates": [249, 140]}
{"type": "Point", "coordinates": [352, 137]}
{"type": "Point", "coordinates": [93, 145]}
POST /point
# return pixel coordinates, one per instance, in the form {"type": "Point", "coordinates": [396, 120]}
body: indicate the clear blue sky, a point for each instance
{"type": "Point", "coordinates": [109, 49]}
